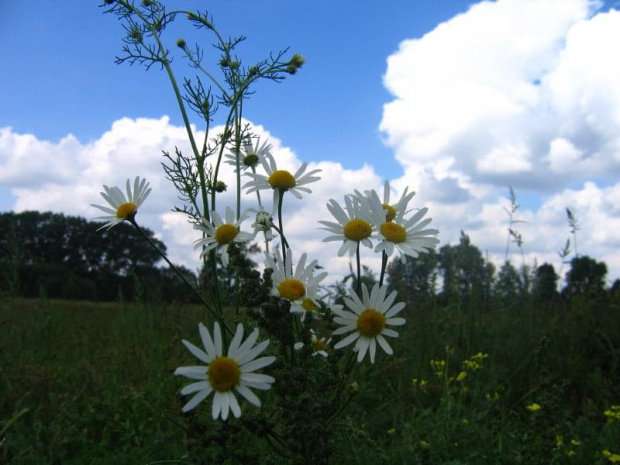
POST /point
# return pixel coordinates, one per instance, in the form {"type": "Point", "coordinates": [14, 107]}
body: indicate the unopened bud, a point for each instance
{"type": "Point", "coordinates": [353, 389]}
{"type": "Point", "coordinates": [297, 60]}
{"type": "Point", "coordinates": [181, 43]}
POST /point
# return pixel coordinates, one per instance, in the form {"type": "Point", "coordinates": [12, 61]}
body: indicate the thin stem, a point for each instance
{"type": "Point", "coordinates": [384, 259]}
{"type": "Point", "coordinates": [177, 93]}
{"type": "Point", "coordinates": [358, 263]}
{"type": "Point", "coordinates": [282, 238]}
{"type": "Point", "coordinates": [180, 275]}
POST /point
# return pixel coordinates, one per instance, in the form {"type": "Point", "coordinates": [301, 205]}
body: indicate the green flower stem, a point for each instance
{"type": "Point", "coordinates": [384, 259]}
{"type": "Point", "coordinates": [177, 93]}
{"type": "Point", "coordinates": [283, 241]}
{"type": "Point", "coordinates": [358, 284]}
{"type": "Point", "coordinates": [238, 151]}
{"type": "Point", "coordinates": [219, 317]}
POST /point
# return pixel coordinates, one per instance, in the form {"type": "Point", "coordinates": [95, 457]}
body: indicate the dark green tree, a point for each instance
{"type": "Point", "coordinates": [415, 279]}
{"type": "Point", "coordinates": [509, 287]}
{"type": "Point", "coordinates": [467, 277]}
{"type": "Point", "coordinates": [68, 257]}
{"type": "Point", "coordinates": [585, 277]}
{"type": "Point", "coordinates": [545, 283]}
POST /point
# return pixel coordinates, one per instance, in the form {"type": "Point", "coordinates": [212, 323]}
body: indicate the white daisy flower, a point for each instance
{"type": "Point", "coordinates": [281, 180]}
{"type": "Point", "coordinates": [123, 208]}
{"type": "Point", "coordinates": [400, 206]}
{"type": "Point", "coordinates": [319, 346]}
{"type": "Point", "coordinates": [406, 235]}
{"type": "Point", "coordinates": [368, 321]}
{"type": "Point", "coordinates": [250, 154]}
{"type": "Point", "coordinates": [300, 287]}
{"type": "Point", "coordinates": [220, 234]}
{"type": "Point", "coordinates": [354, 225]}
{"type": "Point", "coordinates": [263, 223]}
{"type": "Point", "coordinates": [224, 374]}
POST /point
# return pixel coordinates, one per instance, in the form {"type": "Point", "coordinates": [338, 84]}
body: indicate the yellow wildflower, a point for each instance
{"type": "Point", "coordinates": [613, 458]}
{"type": "Point", "coordinates": [613, 413]}
{"type": "Point", "coordinates": [533, 407]}
{"type": "Point", "coordinates": [438, 367]}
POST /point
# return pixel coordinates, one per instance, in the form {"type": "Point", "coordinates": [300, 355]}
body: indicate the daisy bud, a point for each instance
{"type": "Point", "coordinates": [297, 60]}
{"type": "Point", "coordinates": [353, 389]}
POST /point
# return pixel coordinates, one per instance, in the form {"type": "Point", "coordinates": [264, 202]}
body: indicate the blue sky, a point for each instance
{"type": "Point", "coordinates": [456, 99]}
{"type": "Point", "coordinates": [63, 78]}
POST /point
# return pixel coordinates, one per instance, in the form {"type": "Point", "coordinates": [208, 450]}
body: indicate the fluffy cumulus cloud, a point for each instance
{"type": "Point", "coordinates": [66, 177]}
{"type": "Point", "coordinates": [523, 93]}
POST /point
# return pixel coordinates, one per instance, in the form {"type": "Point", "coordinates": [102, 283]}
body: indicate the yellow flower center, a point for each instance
{"type": "Point", "coordinates": [282, 179]}
{"type": "Point", "coordinates": [394, 232]}
{"type": "Point", "coordinates": [126, 210]}
{"type": "Point", "coordinates": [225, 233]}
{"type": "Point", "coordinates": [223, 373]}
{"type": "Point", "coordinates": [370, 323]}
{"type": "Point", "coordinates": [308, 305]}
{"type": "Point", "coordinates": [291, 289]}
{"type": "Point", "coordinates": [251, 159]}
{"type": "Point", "coordinates": [357, 230]}
{"type": "Point", "coordinates": [390, 212]}
{"type": "Point", "coordinates": [318, 345]}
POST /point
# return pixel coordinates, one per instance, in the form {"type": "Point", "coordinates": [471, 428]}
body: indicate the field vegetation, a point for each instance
{"type": "Point", "coordinates": [476, 379]}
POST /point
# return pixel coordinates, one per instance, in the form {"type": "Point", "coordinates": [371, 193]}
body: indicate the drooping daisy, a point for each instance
{"type": "Point", "coordinates": [319, 346]}
{"type": "Point", "coordinates": [251, 154]}
{"type": "Point", "coordinates": [219, 234]}
{"type": "Point", "coordinates": [300, 287]}
{"type": "Point", "coordinates": [354, 225]}
{"type": "Point", "coordinates": [123, 208]}
{"type": "Point", "coordinates": [367, 321]}
{"type": "Point", "coordinates": [224, 374]}
{"type": "Point", "coordinates": [281, 180]}
{"type": "Point", "coordinates": [263, 223]}
{"type": "Point", "coordinates": [406, 235]}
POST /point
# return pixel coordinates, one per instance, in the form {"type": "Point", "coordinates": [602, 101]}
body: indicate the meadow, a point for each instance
{"type": "Point", "coordinates": [93, 383]}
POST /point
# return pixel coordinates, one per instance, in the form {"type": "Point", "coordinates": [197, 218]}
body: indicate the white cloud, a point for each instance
{"type": "Point", "coordinates": [505, 159]}
{"type": "Point", "coordinates": [134, 148]}
{"type": "Point", "coordinates": [513, 92]}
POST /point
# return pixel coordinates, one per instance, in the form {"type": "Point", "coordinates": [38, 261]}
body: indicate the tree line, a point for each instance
{"type": "Point", "coordinates": [58, 256]}
{"type": "Point", "coordinates": [460, 275]}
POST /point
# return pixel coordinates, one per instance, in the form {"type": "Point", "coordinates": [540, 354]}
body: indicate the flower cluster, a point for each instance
{"type": "Point", "coordinates": [369, 315]}
{"type": "Point", "coordinates": [366, 218]}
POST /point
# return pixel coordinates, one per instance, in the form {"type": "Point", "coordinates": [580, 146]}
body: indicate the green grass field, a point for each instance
{"type": "Point", "coordinates": [87, 383]}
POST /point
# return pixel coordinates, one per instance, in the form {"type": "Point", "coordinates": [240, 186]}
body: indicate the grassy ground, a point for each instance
{"type": "Point", "coordinates": [85, 383]}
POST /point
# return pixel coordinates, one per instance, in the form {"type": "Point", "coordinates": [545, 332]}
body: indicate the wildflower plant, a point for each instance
{"type": "Point", "coordinates": [271, 384]}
